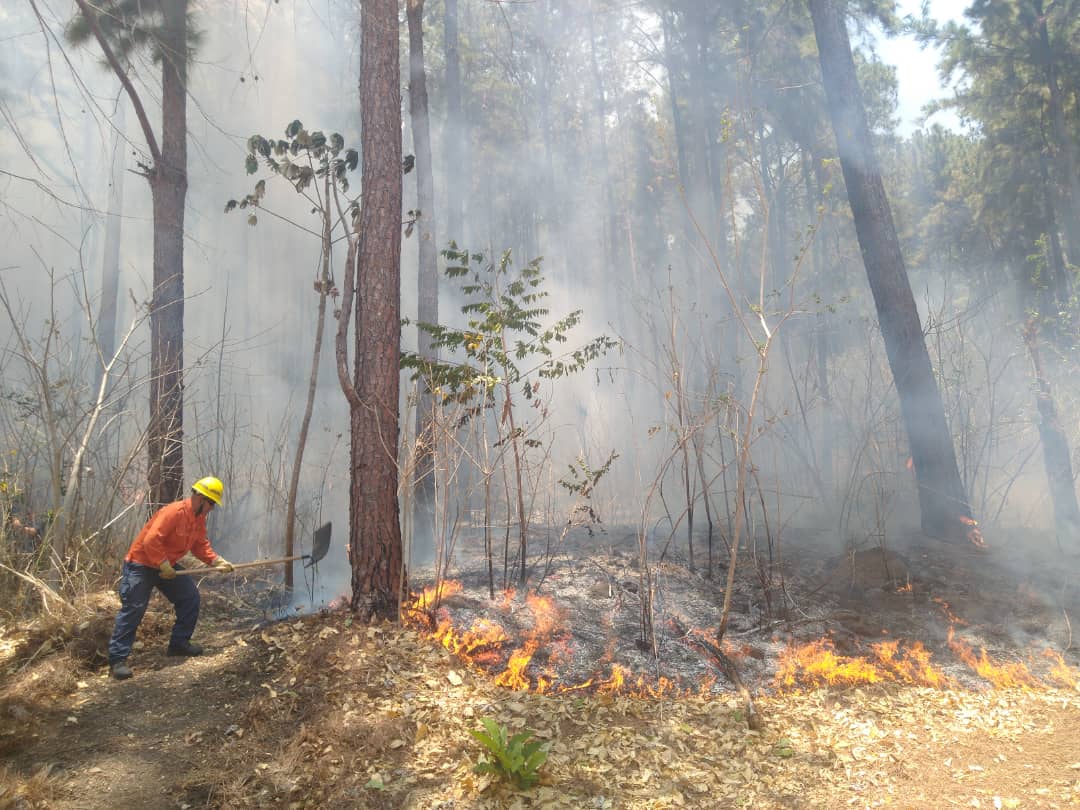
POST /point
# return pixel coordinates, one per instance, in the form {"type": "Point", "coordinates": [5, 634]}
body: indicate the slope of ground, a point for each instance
{"type": "Point", "coordinates": [321, 712]}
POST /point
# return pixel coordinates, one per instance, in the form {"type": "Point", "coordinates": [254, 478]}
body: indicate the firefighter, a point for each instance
{"type": "Point", "coordinates": [172, 532]}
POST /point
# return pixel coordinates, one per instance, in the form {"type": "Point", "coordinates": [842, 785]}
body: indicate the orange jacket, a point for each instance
{"type": "Point", "coordinates": [172, 532]}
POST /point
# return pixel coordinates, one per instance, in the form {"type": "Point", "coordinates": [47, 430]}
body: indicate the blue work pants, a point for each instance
{"type": "Point", "coordinates": [137, 583]}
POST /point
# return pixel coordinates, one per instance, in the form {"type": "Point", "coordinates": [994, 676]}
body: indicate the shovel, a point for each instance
{"type": "Point", "coordinates": [319, 546]}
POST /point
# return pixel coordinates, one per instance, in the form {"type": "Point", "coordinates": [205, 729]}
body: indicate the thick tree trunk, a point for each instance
{"type": "Point", "coordinates": [943, 502]}
{"type": "Point", "coordinates": [427, 276]}
{"type": "Point", "coordinates": [374, 531]}
{"type": "Point", "coordinates": [455, 131]}
{"type": "Point", "coordinates": [168, 186]}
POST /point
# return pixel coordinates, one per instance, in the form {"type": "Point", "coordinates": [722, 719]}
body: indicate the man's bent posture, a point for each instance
{"type": "Point", "coordinates": [172, 532]}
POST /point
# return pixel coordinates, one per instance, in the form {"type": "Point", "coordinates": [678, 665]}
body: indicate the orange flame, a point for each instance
{"type": "Point", "coordinates": [483, 646]}
{"type": "Point", "coordinates": [434, 594]}
{"type": "Point", "coordinates": [974, 534]}
{"type": "Point", "coordinates": [1060, 672]}
{"type": "Point", "coordinates": [1006, 676]}
{"type": "Point", "coordinates": [952, 617]}
{"type": "Point", "coordinates": [818, 664]}
{"type": "Point", "coordinates": [514, 676]}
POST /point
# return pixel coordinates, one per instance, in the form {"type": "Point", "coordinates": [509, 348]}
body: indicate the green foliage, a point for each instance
{"type": "Point", "coordinates": [130, 26]}
{"type": "Point", "coordinates": [505, 311]}
{"type": "Point", "coordinates": [583, 479]}
{"type": "Point", "coordinates": [516, 759]}
{"type": "Point", "coordinates": [300, 158]}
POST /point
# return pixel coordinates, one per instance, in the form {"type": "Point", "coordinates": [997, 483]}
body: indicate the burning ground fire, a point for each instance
{"type": "Point", "coordinates": [533, 663]}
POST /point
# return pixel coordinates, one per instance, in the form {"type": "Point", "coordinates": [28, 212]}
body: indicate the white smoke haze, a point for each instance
{"type": "Point", "coordinates": [542, 179]}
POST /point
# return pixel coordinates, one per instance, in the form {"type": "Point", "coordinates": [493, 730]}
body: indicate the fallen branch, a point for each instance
{"type": "Point", "coordinates": [41, 586]}
{"type": "Point", "coordinates": [731, 672]}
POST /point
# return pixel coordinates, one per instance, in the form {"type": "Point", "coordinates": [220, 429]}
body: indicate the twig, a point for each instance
{"type": "Point", "coordinates": [40, 585]}
{"type": "Point", "coordinates": [731, 672]}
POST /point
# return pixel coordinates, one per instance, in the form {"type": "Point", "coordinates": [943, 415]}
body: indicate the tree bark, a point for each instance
{"type": "Point", "coordinates": [167, 175]}
{"type": "Point", "coordinates": [375, 551]}
{"type": "Point", "coordinates": [168, 186]}
{"type": "Point", "coordinates": [427, 276]}
{"type": "Point", "coordinates": [942, 499]}
{"type": "Point", "coordinates": [454, 152]}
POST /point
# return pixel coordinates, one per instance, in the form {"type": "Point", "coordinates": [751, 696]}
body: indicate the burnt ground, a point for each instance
{"type": "Point", "coordinates": [319, 711]}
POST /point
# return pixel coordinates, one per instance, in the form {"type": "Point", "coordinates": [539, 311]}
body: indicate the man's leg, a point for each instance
{"type": "Point", "coordinates": [136, 584]}
{"type": "Point", "coordinates": [184, 595]}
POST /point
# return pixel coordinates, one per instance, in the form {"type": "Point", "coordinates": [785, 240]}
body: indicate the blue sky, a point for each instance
{"type": "Point", "coordinates": [917, 68]}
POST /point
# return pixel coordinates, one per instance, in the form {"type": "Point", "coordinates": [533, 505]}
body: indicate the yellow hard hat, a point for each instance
{"type": "Point", "coordinates": [210, 487]}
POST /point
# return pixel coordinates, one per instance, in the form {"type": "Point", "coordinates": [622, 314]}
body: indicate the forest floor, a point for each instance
{"type": "Point", "coordinates": [318, 711]}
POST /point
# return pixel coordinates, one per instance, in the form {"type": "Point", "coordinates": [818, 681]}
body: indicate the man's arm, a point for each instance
{"type": "Point", "coordinates": [202, 549]}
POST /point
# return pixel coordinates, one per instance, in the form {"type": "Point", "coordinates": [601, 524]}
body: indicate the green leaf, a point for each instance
{"type": "Point", "coordinates": [293, 128]}
{"type": "Point", "coordinates": [251, 164]}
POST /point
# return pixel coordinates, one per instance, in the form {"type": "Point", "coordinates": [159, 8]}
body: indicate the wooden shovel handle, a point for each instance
{"type": "Point", "coordinates": [236, 566]}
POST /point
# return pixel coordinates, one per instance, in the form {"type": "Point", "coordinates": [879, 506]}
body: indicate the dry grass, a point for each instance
{"type": "Point", "coordinates": [22, 793]}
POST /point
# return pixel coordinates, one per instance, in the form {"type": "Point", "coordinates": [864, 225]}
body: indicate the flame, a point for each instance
{"type": "Point", "coordinates": [485, 643]}
{"type": "Point", "coordinates": [435, 594]}
{"type": "Point", "coordinates": [1006, 676]}
{"type": "Point", "coordinates": [912, 665]}
{"type": "Point", "coordinates": [818, 664]}
{"type": "Point", "coordinates": [484, 646]}
{"type": "Point", "coordinates": [514, 676]}
{"type": "Point", "coordinates": [952, 617]}
{"type": "Point", "coordinates": [974, 534]}
{"type": "Point", "coordinates": [1061, 673]}
{"type": "Point", "coordinates": [484, 637]}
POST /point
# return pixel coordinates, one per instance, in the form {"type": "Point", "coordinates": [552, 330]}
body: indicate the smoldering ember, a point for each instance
{"type": "Point", "coordinates": [458, 403]}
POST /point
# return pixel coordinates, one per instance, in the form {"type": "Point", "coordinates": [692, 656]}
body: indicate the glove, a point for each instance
{"type": "Point", "coordinates": [166, 570]}
{"type": "Point", "coordinates": [223, 565]}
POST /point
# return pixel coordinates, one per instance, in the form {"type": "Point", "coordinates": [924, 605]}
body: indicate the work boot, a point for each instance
{"type": "Point", "coordinates": [120, 670]}
{"type": "Point", "coordinates": [186, 648]}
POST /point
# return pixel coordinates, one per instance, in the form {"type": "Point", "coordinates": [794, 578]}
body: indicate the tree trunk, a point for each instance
{"type": "Point", "coordinates": [672, 70]}
{"type": "Point", "coordinates": [1059, 472]}
{"type": "Point", "coordinates": [455, 175]}
{"type": "Point", "coordinates": [612, 259]}
{"type": "Point", "coordinates": [110, 261]}
{"type": "Point", "coordinates": [428, 274]}
{"type": "Point", "coordinates": [942, 500]}
{"type": "Point", "coordinates": [168, 187]}
{"type": "Point", "coordinates": [375, 552]}
{"type": "Point", "coordinates": [1066, 151]}
{"type": "Point", "coordinates": [324, 285]}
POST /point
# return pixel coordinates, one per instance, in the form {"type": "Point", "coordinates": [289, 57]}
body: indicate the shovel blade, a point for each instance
{"type": "Point", "coordinates": [320, 544]}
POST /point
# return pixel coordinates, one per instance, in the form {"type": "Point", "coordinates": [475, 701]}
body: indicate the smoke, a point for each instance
{"type": "Point", "coordinates": [570, 153]}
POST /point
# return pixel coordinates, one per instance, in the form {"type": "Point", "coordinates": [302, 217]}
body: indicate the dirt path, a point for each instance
{"type": "Point", "coordinates": [152, 741]}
